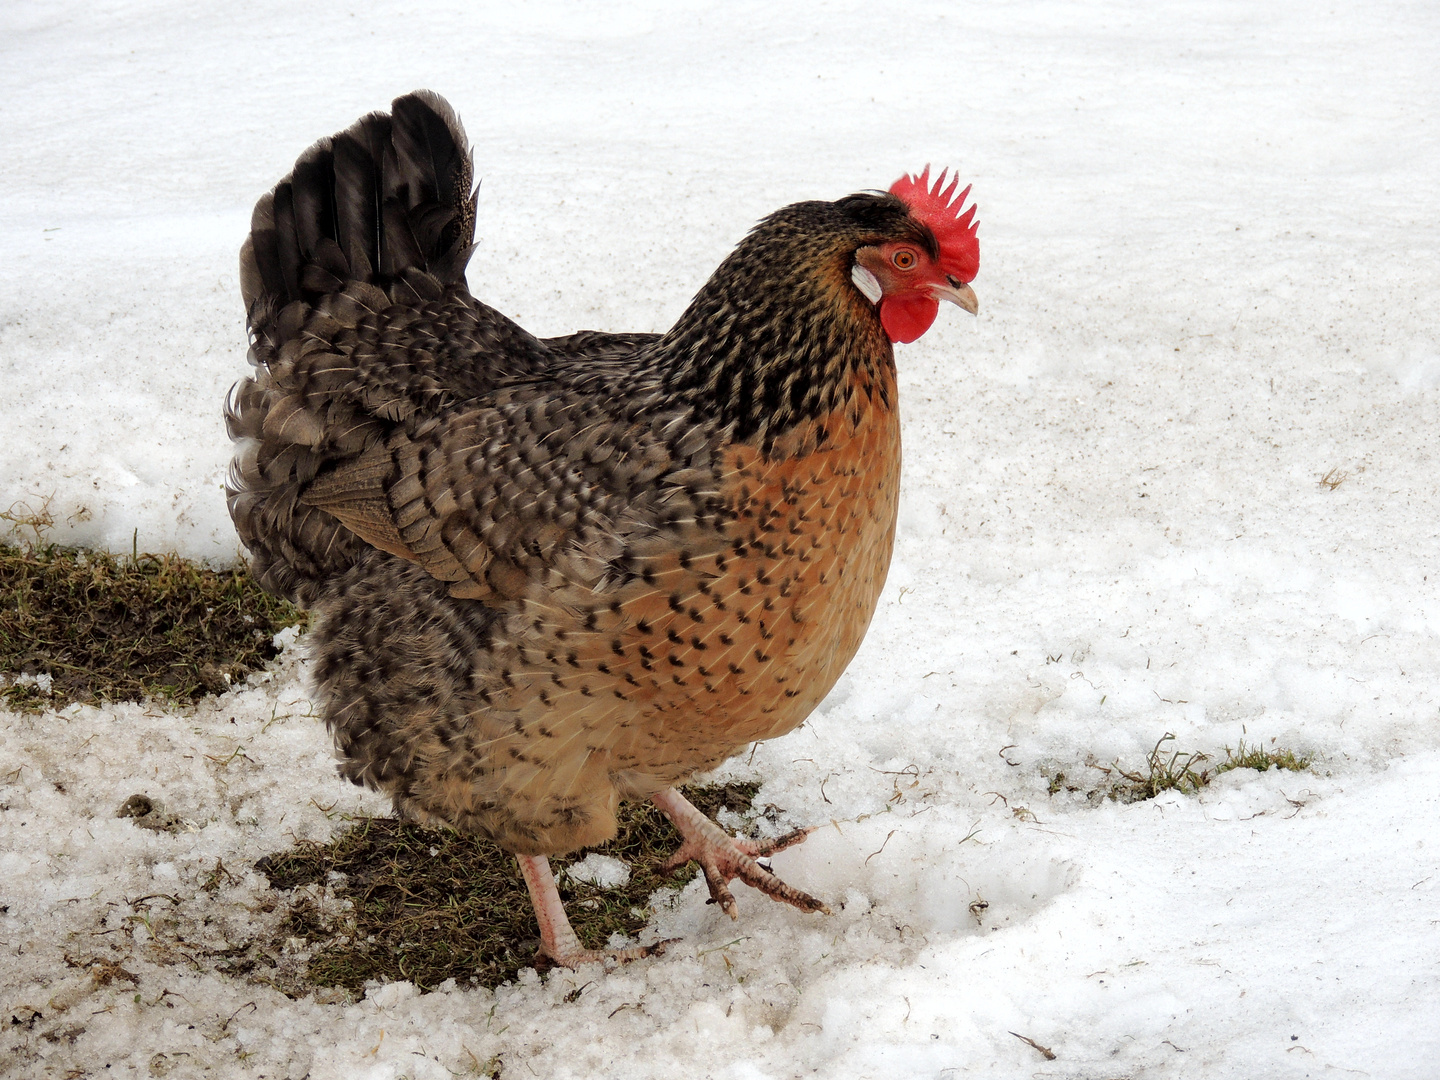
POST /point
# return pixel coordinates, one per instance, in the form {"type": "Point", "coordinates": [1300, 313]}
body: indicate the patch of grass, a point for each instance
{"type": "Point", "coordinates": [1258, 758]}
{"type": "Point", "coordinates": [432, 904]}
{"type": "Point", "coordinates": [1171, 770]}
{"type": "Point", "coordinates": [1164, 770]}
{"type": "Point", "coordinates": [79, 625]}
{"type": "Point", "coordinates": [1177, 772]}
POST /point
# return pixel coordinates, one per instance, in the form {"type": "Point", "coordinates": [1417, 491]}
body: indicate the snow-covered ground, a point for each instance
{"type": "Point", "coordinates": [1211, 248]}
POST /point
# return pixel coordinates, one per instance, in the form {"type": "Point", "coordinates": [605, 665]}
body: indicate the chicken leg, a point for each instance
{"type": "Point", "coordinates": [722, 858]}
{"type": "Point", "coordinates": [558, 942]}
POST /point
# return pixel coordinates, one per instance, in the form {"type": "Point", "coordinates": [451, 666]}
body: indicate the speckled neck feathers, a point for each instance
{"type": "Point", "coordinates": [779, 336]}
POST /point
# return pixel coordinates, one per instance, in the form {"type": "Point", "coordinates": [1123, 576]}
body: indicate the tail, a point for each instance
{"type": "Point", "coordinates": [389, 196]}
{"type": "Point", "coordinates": [380, 214]}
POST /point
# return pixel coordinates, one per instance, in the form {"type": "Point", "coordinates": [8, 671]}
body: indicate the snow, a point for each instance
{"type": "Point", "coordinates": [603, 870]}
{"type": "Point", "coordinates": [1209, 236]}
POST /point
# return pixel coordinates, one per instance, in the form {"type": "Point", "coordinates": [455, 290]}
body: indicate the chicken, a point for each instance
{"type": "Point", "coordinates": [552, 575]}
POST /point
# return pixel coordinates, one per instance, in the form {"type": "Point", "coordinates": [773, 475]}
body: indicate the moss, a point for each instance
{"type": "Point", "coordinates": [104, 627]}
{"type": "Point", "coordinates": [1258, 758]}
{"type": "Point", "coordinates": [431, 904]}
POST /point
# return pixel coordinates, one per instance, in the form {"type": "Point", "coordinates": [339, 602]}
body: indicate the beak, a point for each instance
{"type": "Point", "coordinates": [959, 294]}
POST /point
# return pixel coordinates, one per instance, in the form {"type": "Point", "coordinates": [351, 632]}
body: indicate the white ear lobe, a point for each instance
{"type": "Point", "coordinates": [867, 283]}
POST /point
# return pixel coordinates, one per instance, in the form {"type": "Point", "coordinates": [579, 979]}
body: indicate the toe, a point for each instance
{"type": "Point", "coordinates": [761, 848]}
{"type": "Point", "coordinates": [759, 878]}
{"type": "Point", "coordinates": [720, 890]}
{"type": "Point", "coordinates": [576, 958]}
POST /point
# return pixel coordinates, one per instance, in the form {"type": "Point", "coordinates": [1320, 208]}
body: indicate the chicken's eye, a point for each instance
{"type": "Point", "coordinates": [903, 259]}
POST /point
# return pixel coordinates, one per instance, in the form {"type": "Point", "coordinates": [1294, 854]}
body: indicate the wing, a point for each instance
{"type": "Point", "coordinates": [542, 487]}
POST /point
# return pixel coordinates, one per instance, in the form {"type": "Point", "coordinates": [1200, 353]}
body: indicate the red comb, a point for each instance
{"type": "Point", "coordinates": [939, 208]}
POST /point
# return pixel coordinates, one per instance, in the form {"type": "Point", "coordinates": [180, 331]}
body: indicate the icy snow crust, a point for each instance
{"type": "Point", "coordinates": [1210, 263]}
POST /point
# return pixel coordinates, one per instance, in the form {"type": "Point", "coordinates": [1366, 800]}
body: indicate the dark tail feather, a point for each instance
{"type": "Point", "coordinates": [358, 191]}
{"type": "Point", "coordinates": [435, 166]}
{"type": "Point", "coordinates": [389, 196]}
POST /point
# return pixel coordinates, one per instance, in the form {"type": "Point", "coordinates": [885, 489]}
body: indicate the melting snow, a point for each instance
{"type": "Point", "coordinates": [602, 870]}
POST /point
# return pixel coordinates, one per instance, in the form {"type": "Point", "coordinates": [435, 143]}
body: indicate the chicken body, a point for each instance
{"type": "Point", "coordinates": [552, 575]}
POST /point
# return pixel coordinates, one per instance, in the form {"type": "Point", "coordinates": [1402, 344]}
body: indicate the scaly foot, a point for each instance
{"type": "Point", "coordinates": [724, 858]}
{"type": "Point", "coordinates": [558, 943]}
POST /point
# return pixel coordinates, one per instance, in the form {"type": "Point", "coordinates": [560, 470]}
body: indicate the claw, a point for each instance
{"type": "Point", "coordinates": [723, 858]}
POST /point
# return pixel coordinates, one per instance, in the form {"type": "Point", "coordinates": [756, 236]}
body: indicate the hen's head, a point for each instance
{"type": "Point", "coordinates": [908, 277]}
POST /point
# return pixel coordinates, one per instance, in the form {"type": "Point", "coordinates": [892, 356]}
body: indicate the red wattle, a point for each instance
{"type": "Point", "coordinates": [905, 318]}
